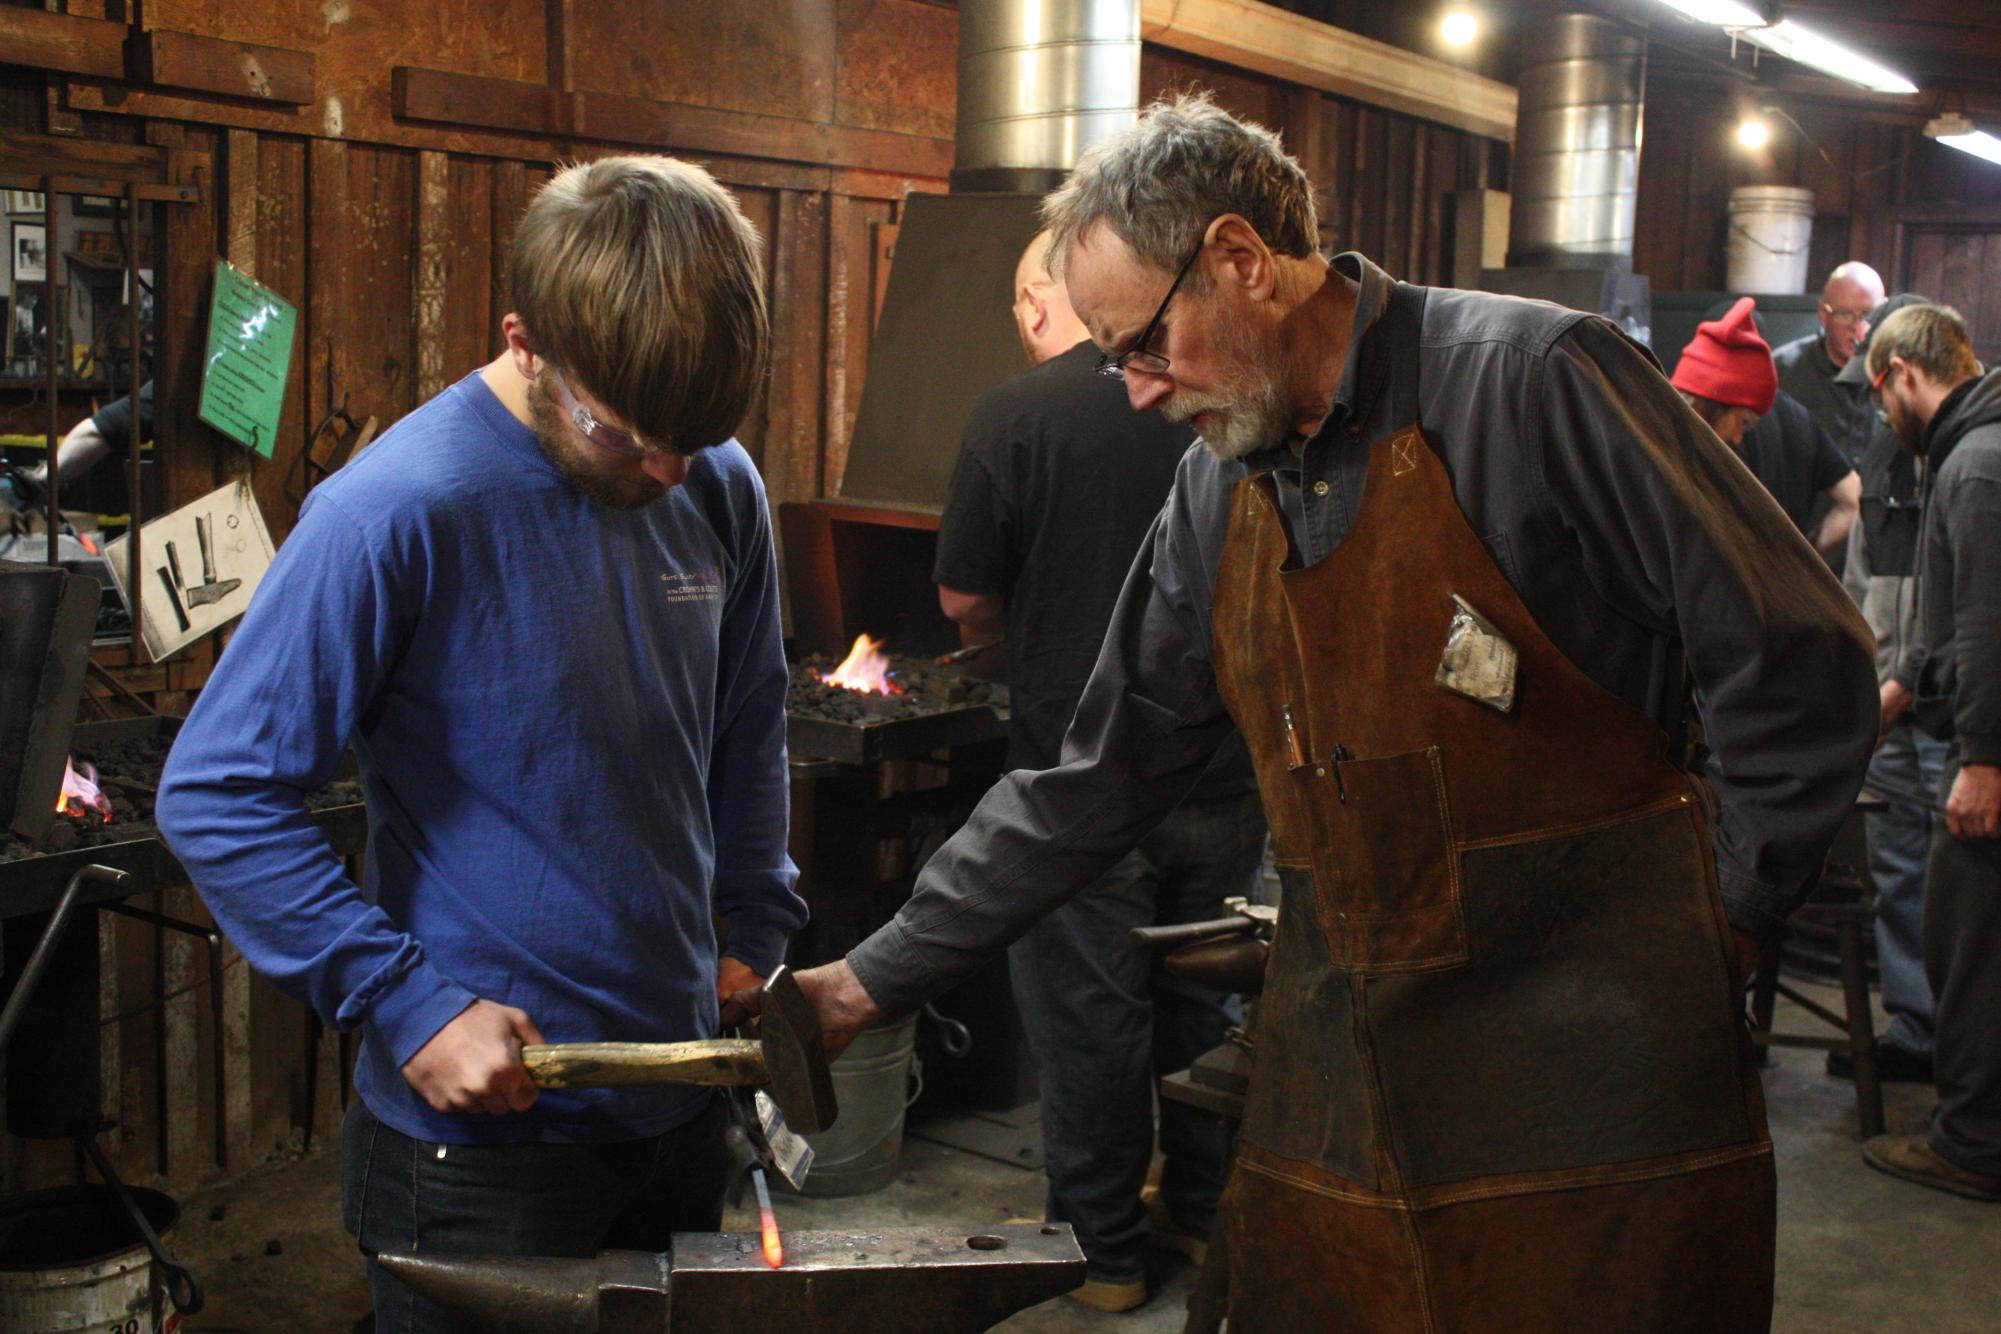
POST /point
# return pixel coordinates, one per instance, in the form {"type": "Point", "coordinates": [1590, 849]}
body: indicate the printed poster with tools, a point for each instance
{"type": "Point", "coordinates": [250, 330]}
{"type": "Point", "coordinates": [198, 567]}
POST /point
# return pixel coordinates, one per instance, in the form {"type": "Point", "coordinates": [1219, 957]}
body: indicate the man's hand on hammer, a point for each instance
{"type": "Point", "coordinates": [473, 1064]}
{"type": "Point", "coordinates": [734, 975]}
{"type": "Point", "coordinates": [837, 997]}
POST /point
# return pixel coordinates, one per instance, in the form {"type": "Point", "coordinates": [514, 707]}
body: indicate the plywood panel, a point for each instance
{"type": "Point", "coordinates": [775, 57]}
{"type": "Point", "coordinates": [896, 66]}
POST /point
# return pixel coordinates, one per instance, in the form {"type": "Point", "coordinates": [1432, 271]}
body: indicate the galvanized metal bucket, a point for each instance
{"type": "Point", "coordinates": [875, 1081]}
{"type": "Point", "coordinates": [70, 1260]}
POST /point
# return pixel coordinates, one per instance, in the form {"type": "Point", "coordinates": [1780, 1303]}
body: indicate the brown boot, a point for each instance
{"type": "Point", "coordinates": [1911, 1158]}
{"type": "Point", "coordinates": [1114, 1295]}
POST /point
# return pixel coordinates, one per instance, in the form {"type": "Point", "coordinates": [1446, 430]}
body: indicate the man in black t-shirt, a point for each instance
{"type": "Point", "coordinates": [1057, 484]}
{"type": "Point", "coordinates": [109, 432]}
{"type": "Point", "coordinates": [1799, 463]}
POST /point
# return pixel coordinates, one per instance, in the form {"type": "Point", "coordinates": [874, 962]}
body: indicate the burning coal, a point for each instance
{"type": "Point", "coordinates": [866, 668]}
{"type": "Point", "coordinates": [80, 794]}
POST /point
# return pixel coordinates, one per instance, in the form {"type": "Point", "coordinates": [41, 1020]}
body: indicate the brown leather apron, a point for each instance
{"type": "Point", "coordinates": [1500, 1080]}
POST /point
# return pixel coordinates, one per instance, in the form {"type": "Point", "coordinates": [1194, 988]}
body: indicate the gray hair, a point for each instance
{"type": "Point", "coordinates": [642, 278]}
{"type": "Point", "coordinates": [1184, 163]}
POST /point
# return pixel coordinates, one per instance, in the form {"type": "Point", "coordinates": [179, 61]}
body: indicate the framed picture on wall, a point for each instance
{"type": "Point", "coordinates": [23, 201]}
{"type": "Point", "coordinates": [28, 248]}
{"type": "Point", "coordinates": [94, 206]}
{"type": "Point", "coordinates": [28, 324]}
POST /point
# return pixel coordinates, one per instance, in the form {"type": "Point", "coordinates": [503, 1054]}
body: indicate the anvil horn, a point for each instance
{"type": "Point", "coordinates": [505, 1295]}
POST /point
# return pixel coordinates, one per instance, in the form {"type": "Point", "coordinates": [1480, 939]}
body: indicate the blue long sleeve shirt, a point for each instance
{"type": "Point", "coordinates": [571, 729]}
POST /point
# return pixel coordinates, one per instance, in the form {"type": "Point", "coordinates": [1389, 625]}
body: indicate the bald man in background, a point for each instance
{"type": "Point", "coordinates": [1057, 484]}
{"type": "Point", "coordinates": [1807, 366]}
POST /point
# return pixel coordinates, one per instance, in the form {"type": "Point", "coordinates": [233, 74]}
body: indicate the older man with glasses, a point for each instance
{"type": "Point", "coordinates": [543, 608]}
{"type": "Point", "coordinates": [1807, 366]}
{"type": "Point", "coordinates": [1441, 565]}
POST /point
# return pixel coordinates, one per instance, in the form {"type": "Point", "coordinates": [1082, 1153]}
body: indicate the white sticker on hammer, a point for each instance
{"type": "Point", "coordinates": [791, 1155]}
{"type": "Point", "coordinates": [1478, 661]}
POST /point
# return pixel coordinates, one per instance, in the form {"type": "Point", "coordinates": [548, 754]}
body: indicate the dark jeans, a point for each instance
{"type": "Point", "coordinates": [402, 1194]}
{"type": "Point", "coordinates": [1105, 1023]}
{"type": "Point", "coordinates": [1900, 841]}
{"type": "Point", "coordinates": [1963, 957]}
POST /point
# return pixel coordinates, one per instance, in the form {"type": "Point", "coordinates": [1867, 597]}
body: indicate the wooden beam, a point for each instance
{"type": "Point", "coordinates": [473, 99]}
{"type": "Point", "coordinates": [42, 155]}
{"type": "Point", "coordinates": [708, 130]}
{"type": "Point", "coordinates": [533, 108]}
{"type": "Point", "coordinates": [92, 47]}
{"type": "Point", "coordinates": [1272, 41]}
{"type": "Point", "coordinates": [233, 69]}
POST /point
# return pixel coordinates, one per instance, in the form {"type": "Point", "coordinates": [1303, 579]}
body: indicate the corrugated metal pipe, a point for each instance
{"type": "Point", "coordinates": [1577, 144]}
{"type": "Point", "coordinates": [1040, 81]}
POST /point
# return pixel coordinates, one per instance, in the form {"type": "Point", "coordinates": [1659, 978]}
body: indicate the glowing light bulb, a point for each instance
{"type": "Point", "coordinates": [1753, 133]}
{"type": "Point", "coordinates": [1459, 28]}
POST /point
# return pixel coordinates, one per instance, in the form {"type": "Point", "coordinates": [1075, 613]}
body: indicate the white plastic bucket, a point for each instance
{"type": "Point", "coordinates": [70, 1260]}
{"type": "Point", "coordinates": [1771, 230]}
{"type": "Point", "coordinates": [874, 1083]}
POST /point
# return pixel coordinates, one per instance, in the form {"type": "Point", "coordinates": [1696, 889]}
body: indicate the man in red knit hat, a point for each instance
{"type": "Point", "coordinates": [1726, 373]}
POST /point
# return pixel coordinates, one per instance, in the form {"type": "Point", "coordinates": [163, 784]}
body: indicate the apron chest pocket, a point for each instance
{"type": "Point", "coordinates": [1385, 870]}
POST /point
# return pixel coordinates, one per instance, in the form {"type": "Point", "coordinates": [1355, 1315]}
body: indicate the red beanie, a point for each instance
{"type": "Point", "coordinates": [1729, 362]}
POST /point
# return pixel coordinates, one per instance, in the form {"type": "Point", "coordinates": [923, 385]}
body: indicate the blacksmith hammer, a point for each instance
{"type": "Point", "coordinates": [787, 1056]}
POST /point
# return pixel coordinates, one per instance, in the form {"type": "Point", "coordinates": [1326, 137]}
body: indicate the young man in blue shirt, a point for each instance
{"type": "Point", "coordinates": [543, 610]}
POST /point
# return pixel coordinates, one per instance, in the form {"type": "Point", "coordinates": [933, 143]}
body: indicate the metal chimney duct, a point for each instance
{"type": "Point", "coordinates": [1577, 144]}
{"type": "Point", "coordinates": [1040, 81]}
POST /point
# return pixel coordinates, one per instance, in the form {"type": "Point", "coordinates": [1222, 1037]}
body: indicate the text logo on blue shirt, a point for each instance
{"type": "Point", "coordinates": [694, 586]}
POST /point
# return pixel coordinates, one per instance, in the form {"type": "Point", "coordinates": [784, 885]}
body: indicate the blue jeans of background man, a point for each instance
{"type": "Point", "coordinates": [1900, 841]}
{"type": "Point", "coordinates": [400, 1194]}
{"type": "Point", "coordinates": [1105, 1023]}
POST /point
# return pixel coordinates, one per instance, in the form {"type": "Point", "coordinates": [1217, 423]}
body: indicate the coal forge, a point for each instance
{"type": "Point", "coordinates": [911, 709]}
{"type": "Point", "coordinates": [921, 689]}
{"type": "Point", "coordinates": [128, 777]}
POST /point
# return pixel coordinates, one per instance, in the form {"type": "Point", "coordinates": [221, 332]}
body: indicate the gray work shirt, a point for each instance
{"type": "Point", "coordinates": [1620, 519]}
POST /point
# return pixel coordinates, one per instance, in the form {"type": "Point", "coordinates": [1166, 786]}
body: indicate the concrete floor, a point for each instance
{"type": "Point", "coordinates": [1858, 1251]}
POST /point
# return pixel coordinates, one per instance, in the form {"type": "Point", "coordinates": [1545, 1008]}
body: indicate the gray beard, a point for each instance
{"type": "Point", "coordinates": [1252, 413]}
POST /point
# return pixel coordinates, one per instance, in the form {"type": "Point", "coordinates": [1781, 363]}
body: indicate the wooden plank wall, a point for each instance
{"type": "Point", "coordinates": [1863, 170]}
{"type": "Point", "coordinates": [391, 238]}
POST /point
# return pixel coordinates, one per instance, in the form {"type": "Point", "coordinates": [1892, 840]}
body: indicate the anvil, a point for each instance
{"type": "Point", "coordinates": [911, 1280]}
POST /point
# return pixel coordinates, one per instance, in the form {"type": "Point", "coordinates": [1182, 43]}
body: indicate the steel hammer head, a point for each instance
{"type": "Point", "coordinates": [795, 1057]}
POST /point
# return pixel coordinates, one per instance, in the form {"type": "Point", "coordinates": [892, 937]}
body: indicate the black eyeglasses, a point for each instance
{"type": "Point", "coordinates": [1114, 363]}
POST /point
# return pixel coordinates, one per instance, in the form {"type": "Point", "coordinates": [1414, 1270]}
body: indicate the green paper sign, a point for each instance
{"type": "Point", "coordinates": [250, 331]}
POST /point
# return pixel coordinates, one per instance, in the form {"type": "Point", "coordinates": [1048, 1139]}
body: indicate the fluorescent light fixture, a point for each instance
{"type": "Point", "coordinates": [1723, 13]}
{"type": "Point", "coordinates": [1957, 131]}
{"type": "Point", "coordinates": [1787, 38]}
{"type": "Point", "coordinates": [1753, 133]}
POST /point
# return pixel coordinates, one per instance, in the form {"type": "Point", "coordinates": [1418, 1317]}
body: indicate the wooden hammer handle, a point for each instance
{"type": "Point", "coordinates": [572, 1065]}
